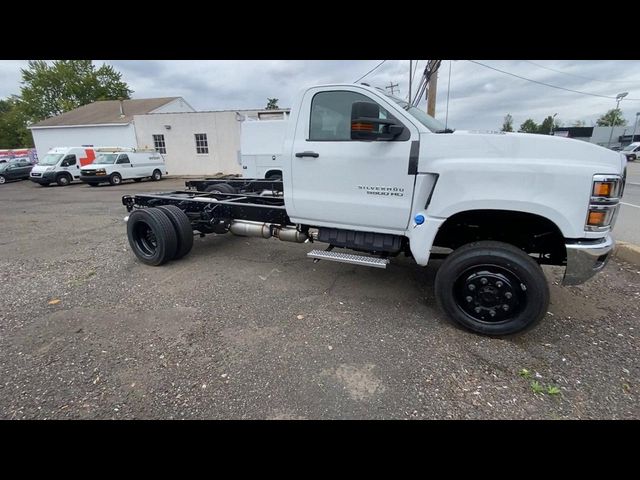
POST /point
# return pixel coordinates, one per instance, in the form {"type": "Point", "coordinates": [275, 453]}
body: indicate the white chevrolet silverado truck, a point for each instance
{"type": "Point", "coordinates": [366, 172]}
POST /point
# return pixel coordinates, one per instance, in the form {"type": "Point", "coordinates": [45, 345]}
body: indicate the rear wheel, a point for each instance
{"type": "Point", "coordinates": [115, 179]}
{"type": "Point", "coordinates": [220, 188]}
{"type": "Point", "coordinates": [152, 236]}
{"type": "Point", "coordinates": [2, 179]}
{"type": "Point", "coordinates": [156, 175]}
{"type": "Point", "coordinates": [184, 232]}
{"type": "Point", "coordinates": [63, 180]}
{"type": "Point", "coordinates": [492, 288]}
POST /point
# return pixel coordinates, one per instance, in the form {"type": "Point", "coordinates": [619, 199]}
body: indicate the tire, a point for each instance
{"type": "Point", "coordinates": [115, 179]}
{"type": "Point", "coordinates": [182, 225]}
{"type": "Point", "coordinates": [152, 236]}
{"type": "Point", "coordinates": [63, 180]}
{"type": "Point", "coordinates": [137, 180]}
{"type": "Point", "coordinates": [484, 277]}
{"type": "Point", "coordinates": [220, 188]}
{"type": "Point", "coordinates": [156, 176]}
{"type": "Point", "coordinates": [2, 179]}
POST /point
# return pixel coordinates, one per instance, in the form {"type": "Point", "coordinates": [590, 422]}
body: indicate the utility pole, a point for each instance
{"type": "Point", "coordinates": [410, 75]}
{"type": "Point", "coordinates": [431, 94]}
{"type": "Point", "coordinates": [391, 86]}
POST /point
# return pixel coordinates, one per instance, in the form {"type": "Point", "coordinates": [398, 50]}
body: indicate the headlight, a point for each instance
{"type": "Point", "coordinates": [605, 199]}
{"type": "Point", "coordinates": [101, 171]}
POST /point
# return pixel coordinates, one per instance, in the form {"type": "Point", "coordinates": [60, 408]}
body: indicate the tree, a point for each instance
{"type": "Point", "coordinates": [272, 104]}
{"type": "Point", "coordinates": [613, 118]}
{"type": "Point", "coordinates": [529, 126]}
{"type": "Point", "coordinates": [546, 126]}
{"type": "Point", "coordinates": [49, 90]}
{"type": "Point", "coordinates": [13, 125]}
{"type": "Point", "coordinates": [507, 125]}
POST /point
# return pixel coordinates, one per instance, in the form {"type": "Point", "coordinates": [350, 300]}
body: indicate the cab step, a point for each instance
{"type": "Point", "coordinates": [348, 258]}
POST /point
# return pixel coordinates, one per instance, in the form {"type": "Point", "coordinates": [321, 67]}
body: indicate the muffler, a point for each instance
{"type": "Point", "coordinates": [245, 228]}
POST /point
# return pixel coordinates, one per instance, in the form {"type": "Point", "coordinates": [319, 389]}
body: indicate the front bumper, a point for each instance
{"type": "Point", "coordinates": [46, 177]}
{"type": "Point", "coordinates": [585, 258]}
{"type": "Point", "coordinates": [94, 178]}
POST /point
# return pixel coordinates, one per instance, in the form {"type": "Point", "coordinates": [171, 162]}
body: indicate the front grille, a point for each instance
{"type": "Point", "coordinates": [88, 172]}
{"type": "Point", "coordinates": [36, 174]}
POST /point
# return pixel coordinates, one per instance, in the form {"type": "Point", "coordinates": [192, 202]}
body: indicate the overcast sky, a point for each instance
{"type": "Point", "coordinates": [479, 97]}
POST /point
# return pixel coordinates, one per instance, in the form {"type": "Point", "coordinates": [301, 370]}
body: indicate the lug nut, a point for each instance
{"type": "Point", "coordinates": [483, 281]}
{"type": "Point", "coordinates": [508, 295]}
{"type": "Point", "coordinates": [505, 307]}
{"type": "Point", "coordinates": [472, 287]}
{"type": "Point", "coordinates": [492, 313]}
{"type": "Point", "coordinates": [499, 284]}
{"type": "Point", "coordinates": [478, 309]}
{"type": "Point", "coordinates": [468, 299]}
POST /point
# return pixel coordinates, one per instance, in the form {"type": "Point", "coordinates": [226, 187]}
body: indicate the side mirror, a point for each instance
{"type": "Point", "coordinates": [366, 124]}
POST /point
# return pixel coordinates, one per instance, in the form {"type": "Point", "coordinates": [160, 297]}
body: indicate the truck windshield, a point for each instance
{"type": "Point", "coordinates": [51, 159]}
{"type": "Point", "coordinates": [427, 120]}
{"type": "Point", "coordinates": [105, 159]}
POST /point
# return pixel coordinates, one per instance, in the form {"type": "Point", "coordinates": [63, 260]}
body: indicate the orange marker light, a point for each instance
{"type": "Point", "coordinates": [596, 218]}
{"type": "Point", "coordinates": [602, 189]}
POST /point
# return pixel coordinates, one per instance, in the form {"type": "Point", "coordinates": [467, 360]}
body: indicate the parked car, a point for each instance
{"type": "Point", "coordinates": [114, 165]}
{"type": "Point", "coordinates": [632, 151]}
{"type": "Point", "coordinates": [14, 170]}
{"type": "Point", "coordinates": [62, 165]}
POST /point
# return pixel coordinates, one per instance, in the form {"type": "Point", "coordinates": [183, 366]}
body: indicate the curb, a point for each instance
{"type": "Point", "coordinates": [627, 252]}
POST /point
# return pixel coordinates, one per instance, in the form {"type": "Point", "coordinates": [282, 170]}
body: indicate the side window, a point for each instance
{"type": "Point", "coordinates": [69, 160]}
{"type": "Point", "coordinates": [331, 115]}
{"type": "Point", "coordinates": [123, 159]}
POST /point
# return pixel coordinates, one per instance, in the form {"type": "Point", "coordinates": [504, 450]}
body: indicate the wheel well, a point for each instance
{"type": "Point", "coordinates": [66, 174]}
{"type": "Point", "coordinates": [532, 233]}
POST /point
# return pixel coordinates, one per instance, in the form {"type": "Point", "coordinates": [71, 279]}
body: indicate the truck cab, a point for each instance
{"type": "Point", "coordinates": [367, 172]}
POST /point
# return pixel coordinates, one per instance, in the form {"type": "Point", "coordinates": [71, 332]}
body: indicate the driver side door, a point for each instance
{"type": "Point", "coordinates": [344, 182]}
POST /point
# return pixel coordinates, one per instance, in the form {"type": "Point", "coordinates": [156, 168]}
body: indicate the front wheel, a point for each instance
{"type": "Point", "coordinates": [115, 179]}
{"type": "Point", "coordinates": [2, 179]}
{"type": "Point", "coordinates": [63, 180]}
{"type": "Point", "coordinates": [156, 175]}
{"type": "Point", "coordinates": [492, 288]}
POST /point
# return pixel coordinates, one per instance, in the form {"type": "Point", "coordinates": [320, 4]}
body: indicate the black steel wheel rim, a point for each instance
{"type": "Point", "coordinates": [490, 294]}
{"type": "Point", "coordinates": [145, 239]}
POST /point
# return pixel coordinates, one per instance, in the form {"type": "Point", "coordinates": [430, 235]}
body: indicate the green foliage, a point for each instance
{"type": "Point", "coordinates": [51, 89]}
{"type": "Point", "coordinates": [524, 373]}
{"type": "Point", "coordinates": [546, 126]}
{"type": "Point", "coordinates": [553, 390]}
{"type": "Point", "coordinates": [612, 118]}
{"type": "Point", "coordinates": [536, 387]}
{"type": "Point", "coordinates": [529, 126]}
{"type": "Point", "coordinates": [272, 104]}
{"type": "Point", "coordinates": [13, 125]}
{"type": "Point", "coordinates": [507, 125]}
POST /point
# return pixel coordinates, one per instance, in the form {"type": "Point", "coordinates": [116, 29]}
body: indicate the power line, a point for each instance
{"type": "Point", "coordinates": [547, 84]}
{"type": "Point", "coordinates": [370, 71]}
{"type": "Point", "coordinates": [579, 76]}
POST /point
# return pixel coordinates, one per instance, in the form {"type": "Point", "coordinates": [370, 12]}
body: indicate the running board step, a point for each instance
{"type": "Point", "coordinates": [348, 258]}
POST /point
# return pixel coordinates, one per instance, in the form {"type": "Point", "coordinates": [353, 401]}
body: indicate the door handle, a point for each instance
{"type": "Point", "coordinates": [307, 154]}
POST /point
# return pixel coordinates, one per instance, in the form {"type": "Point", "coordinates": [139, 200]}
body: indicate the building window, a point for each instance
{"type": "Point", "coordinates": [158, 143]}
{"type": "Point", "coordinates": [202, 146]}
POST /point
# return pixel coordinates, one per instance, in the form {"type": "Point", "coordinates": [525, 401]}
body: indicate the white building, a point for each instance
{"type": "Point", "coordinates": [193, 143]}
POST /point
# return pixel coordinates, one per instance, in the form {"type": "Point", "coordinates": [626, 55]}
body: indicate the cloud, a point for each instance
{"type": "Point", "coordinates": [479, 98]}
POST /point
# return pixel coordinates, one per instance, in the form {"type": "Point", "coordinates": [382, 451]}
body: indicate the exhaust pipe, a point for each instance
{"type": "Point", "coordinates": [245, 228]}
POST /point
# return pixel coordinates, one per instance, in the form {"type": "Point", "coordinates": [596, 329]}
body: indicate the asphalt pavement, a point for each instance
{"type": "Point", "coordinates": [245, 328]}
{"type": "Point", "coordinates": [627, 227]}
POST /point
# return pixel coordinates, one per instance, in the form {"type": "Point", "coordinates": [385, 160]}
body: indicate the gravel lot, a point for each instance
{"type": "Point", "coordinates": [249, 328]}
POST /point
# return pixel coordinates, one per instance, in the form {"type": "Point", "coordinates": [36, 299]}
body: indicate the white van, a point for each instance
{"type": "Point", "coordinates": [261, 148]}
{"type": "Point", "coordinates": [113, 165]}
{"type": "Point", "coordinates": [62, 165]}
